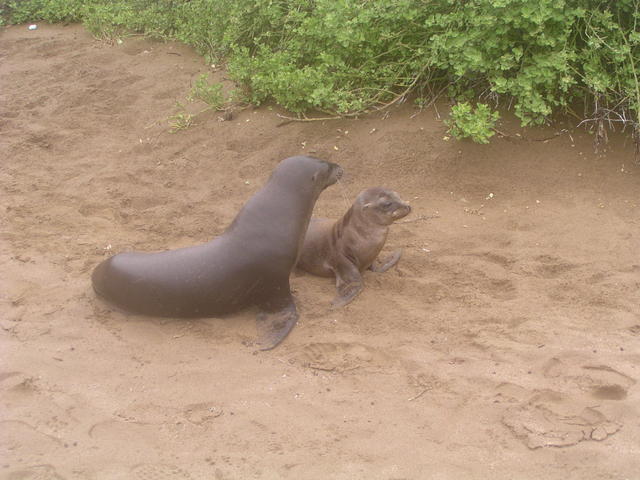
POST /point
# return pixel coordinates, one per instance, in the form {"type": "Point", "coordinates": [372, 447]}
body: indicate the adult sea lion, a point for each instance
{"type": "Point", "coordinates": [347, 247]}
{"type": "Point", "coordinates": [249, 264]}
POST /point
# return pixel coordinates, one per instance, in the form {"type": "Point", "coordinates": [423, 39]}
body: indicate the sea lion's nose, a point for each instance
{"type": "Point", "coordinates": [402, 211]}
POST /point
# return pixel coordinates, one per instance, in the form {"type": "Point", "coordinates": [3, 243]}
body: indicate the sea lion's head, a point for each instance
{"type": "Point", "coordinates": [327, 174]}
{"type": "Point", "coordinates": [382, 206]}
{"type": "Point", "coordinates": [308, 171]}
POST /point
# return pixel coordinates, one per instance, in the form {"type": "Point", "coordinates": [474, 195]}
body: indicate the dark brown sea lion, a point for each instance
{"type": "Point", "coordinates": [347, 247]}
{"type": "Point", "coordinates": [249, 264]}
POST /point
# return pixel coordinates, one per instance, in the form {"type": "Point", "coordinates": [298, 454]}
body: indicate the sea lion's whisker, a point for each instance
{"type": "Point", "coordinates": [343, 192]}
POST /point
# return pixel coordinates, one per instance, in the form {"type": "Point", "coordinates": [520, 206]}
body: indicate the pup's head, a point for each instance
{"type": "Point", "coordinates": [382, 206]}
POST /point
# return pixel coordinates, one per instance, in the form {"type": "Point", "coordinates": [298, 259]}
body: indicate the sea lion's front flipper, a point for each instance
{"type": "Point", "coordinates": [384, 265]}
{"type": "Point", "coordinates": [348, 282]}
{"type": "Point", "coordinates": [274, 326]}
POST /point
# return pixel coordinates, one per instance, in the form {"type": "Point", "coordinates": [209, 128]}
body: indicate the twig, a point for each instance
{"type": "Point", "coordinates": [418, 395]}
{"type": "Point", "coordinates": [374, 108]}
{"type": "Point", "coordinates": [332, 369]}
{"type": "Point", "coordinates": [432, 101]}
{"type": "Point", "coordinates": [402, 94]}
{"type": "Point", "coordinates": [324, 369]}
{"type": "Point", "coordinates": [288, 120]}
{"type": "Point", "coordinates": [420, 218]}
{"type": "Point", "coordinates": [527, 139]}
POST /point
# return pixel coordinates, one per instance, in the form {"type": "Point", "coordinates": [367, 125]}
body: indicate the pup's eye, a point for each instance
{"type": "Point", "coordinates": [386, 204]}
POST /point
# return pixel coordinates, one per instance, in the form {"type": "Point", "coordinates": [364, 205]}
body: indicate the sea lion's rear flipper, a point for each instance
{"type": "Point", "coordinates": [273, 327]}
{"type": "Point", "coordinates": [381, 266]}
{"type": "Point", "coordinates": [348, 282]}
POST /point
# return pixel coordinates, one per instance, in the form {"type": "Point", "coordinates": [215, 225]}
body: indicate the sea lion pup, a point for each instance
{"type": "Point", "coordinates": [249, 264]}
{"type": "Point", "coordinates": [347, 247]}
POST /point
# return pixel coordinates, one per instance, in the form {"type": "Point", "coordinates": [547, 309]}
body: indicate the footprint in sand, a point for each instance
{"type": "Point", "coordinates": [635, 329]}
{"type": "Point", "coordinates": [151, 414]}
{"type": "Point", "coordinates": [158, 471]}
{"type": "Point", "coordinates": [339, 357]}
{"type": "Point", "coordinates": [201, 413]}
{"type": "Point", "coordinates": [552, 267]}
{"type": "Point", "coordinates": [37, 472]}
{"type": "Point", "coordinates": [600, 381]}
{"type": "Point", "coordinates": [550, 419]}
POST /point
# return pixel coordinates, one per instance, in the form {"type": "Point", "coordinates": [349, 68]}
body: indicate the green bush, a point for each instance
{"type": "Point", "coordinates": [155, 18]}
{"type": "Point", "coordinates": [47, 10]}
{"type": "Point", "coordinates": [211, 94]}
{"type": "Point", "coordinates": [349, 56]}
{"type": "Point", "coordinates": [476, 124]}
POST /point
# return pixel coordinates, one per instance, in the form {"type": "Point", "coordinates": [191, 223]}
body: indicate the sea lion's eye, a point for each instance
{"type": "Point", "coordinates": [386, 204]}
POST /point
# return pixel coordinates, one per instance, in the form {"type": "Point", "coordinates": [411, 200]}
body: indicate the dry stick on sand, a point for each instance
{"type": "Point", "coordinates": [324, 369]}
{"type": "Point", "coordinates": [303, 119]}
{"type": "Point", "coordinates": [331, 369]}
{"type": "Point", "coordinates": [527, 139]}
{"type": "Point", "coordinates": [419, 218]}
{"type": "Point", "coordinates": [418, 395]}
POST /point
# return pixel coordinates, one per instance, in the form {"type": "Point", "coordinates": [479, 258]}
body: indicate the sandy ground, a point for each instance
{"type": "Point", "coordinates": [505, 345]}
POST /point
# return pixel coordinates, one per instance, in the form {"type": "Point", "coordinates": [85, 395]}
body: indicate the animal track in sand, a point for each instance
{"type": "Point", "coordinates": [159, 471]}
{"type": "Point", "coordinates": [18, 435]}
{"type": "Point", "coordinates": [494, 258]}
{"type": "Point", "coordinates": [36, 472]}
{"type": "Point", "coordinates": [340, 357]}
{"type": "Point", "coordinates": [480, 280]}
{"type": "Point", "coordinates": [151, 414]}
{"type": "Point", "coordinates": [550, 419]}
{"type": "Point", "coordinates": [600, 381]}
{"type": "Point", "coordinates": [201, 413]}
{"type": "Point", "coordinates": [552, 267]}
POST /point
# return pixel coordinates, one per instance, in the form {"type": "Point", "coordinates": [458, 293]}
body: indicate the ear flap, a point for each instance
{"type": "Point", "coordinates": [315, 176]}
